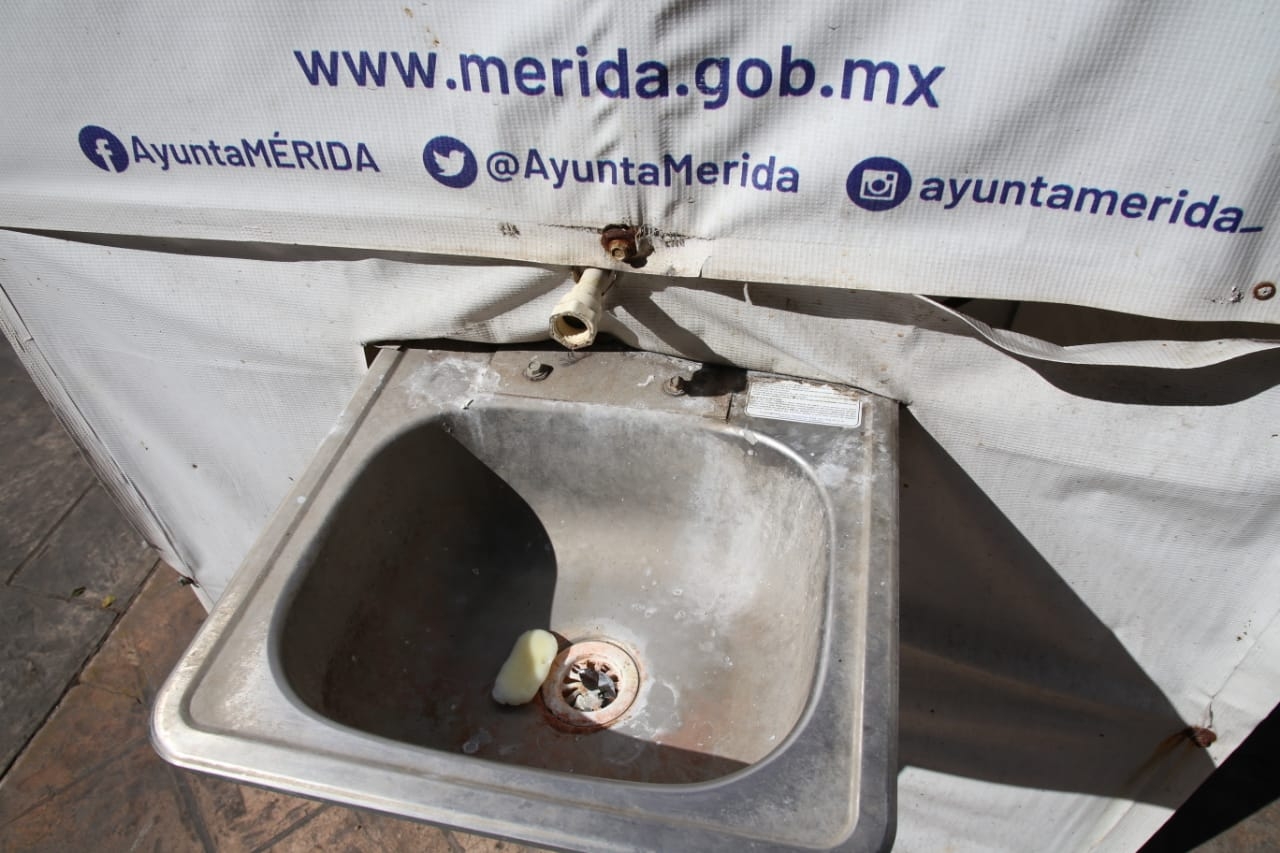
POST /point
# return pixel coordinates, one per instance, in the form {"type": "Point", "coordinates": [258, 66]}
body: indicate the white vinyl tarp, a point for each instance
{"type": "Point", "coordinates": [1089, 558]}
{"type": "Point", "coordinates": [1110, 154]}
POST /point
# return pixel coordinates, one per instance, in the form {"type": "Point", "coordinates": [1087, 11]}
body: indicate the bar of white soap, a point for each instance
{"type": "Point", "coordinates": [526, 667]}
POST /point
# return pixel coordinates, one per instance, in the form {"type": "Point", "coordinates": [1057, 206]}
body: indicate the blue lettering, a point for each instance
{"type": "Point", "coordinates": [990, 196]}
{"type": "Point", "coordinates": [1173, 210]}
{"type": "Point", "coordinates": [1199, 213]}
{"type": "Point", "coordinates": [789, 68]}
{"type": "Point", "coordinates": [560, 168]}
{"type": "Point", "coordinates": [584, 76]}
{"type": "Point", "coordinates": [317, 68]}
{"type": "Point", "coordinates": [1112, 197]}
{"type": "Point", "coordinates": [280, 152]}
{"type": "Point", "coordinates": [655, 83]}
{"type": "Point", "coordinates": [529, 70]}
{"type": "Point", "coordinates": [933, 189]}
{"type": "Point", "coordinates": [367, 69]}
{"type": "Point", "coordinates": [558, 67]}
{"type": "Point", "coordinates": [140, 152]}
{"type": "Point", "coordinates": [303, 153]}
{"type": "Point", "coordinates": [1157, 203]}
{"type": "Point", "coordinates": [364, 159]}
{"type": "Point", "coordinates": [923, 86]}
{"type": "Point", "coordinates": [766, 78]}
{"type": "Point", "coordinates": [1133, 206]}
{"type": "Point", "coordinates": [335, 148]}
{"type": "Point", "coordinates": [720, 89]}
{"type": "Point", "coordinates": [715, 77]}
{"type": "Point", "coordinates": [482, 65]}
{"type": "Point", "coordinates": [1060, 198]}
{"type": "Point", "coordinates": [762, 174]}
{"type": "Point", "coordinates": [622, 90]}
{"type": "Point", "coordinates": [675, 167]}
{"type": "Point", "coordinates": [260, 149]}
{"type": "Point", "coordinates": [1036, 186]}
{"type": "Point", "coordinates": [414, 71]}
{"type": "Point", "coordinates": [871, 73]}
{"type": "Point", "coordinates": [534, 165]}
{"type": "Point", "coordinates": [1010, 185]}
{"type": "Point", "coordinates": [957, 193]}
{"type": "Point", "coordinates": [1228, 221]}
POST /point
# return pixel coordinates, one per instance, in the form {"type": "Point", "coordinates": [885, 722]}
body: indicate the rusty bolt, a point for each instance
{"type": "Point", "coordinates": [1264, 290]}
{"type": "Point", "coordinates": [1201, 736]}
{"type": "Point", "coordinates": [619, 241]}
{"type": "Point", "coordinates": [536, 371]}
{"type": "Point", "coordinates": [676, 386]}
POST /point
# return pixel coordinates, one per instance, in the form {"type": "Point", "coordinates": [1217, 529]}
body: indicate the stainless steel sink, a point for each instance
{"type": "Point", "coordinates": [721, 543]}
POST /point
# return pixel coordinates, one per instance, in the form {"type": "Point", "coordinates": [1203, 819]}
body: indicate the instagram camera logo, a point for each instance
{"type": "Point", "coordinates": [878, 183]}
{"type": "Point", "coordinates": [104, 149]}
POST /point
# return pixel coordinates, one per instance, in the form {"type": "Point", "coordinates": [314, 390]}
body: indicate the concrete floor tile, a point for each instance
{"type": "Point", "coordinates": [1260, 833]}
{"type": "Point", "coordinates": [392, 834]}
{"type": "Point", "coordinates": [243, 818]}
{"type": "Point", "coordinates": [149, 639]}
{"type": "Point", "coordinates": [89, 729]}
{"type": "Point", "coordinates": [45, 643]}
{"type": "Point", "coordinates": [44, 474]}
{"type": "Point", "coordinates": [93, 551]}
{"type": "Point", "coordinates": [127, 804]}
{"type": "Point", "coordinates": [481, 844]}
{"type": "Point", "coordinates": [42, 481]}
{"type": "Point", "coordinates": [335, 829]}
{"type": "Point", "coordinates": [23, 410]}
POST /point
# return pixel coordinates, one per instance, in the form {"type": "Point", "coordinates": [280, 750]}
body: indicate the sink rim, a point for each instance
{"type": "Point", "coordinates": [430, 784]}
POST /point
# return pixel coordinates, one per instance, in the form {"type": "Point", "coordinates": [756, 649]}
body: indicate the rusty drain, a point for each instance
{"type": "Point", "coordinates": [591, 684]}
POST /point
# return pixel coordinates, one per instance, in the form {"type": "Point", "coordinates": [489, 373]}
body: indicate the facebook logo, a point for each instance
{"type": "Point", "coordinates": [103, 148]}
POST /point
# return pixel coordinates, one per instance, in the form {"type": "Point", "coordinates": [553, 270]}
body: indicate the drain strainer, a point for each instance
{"type": "Point", "coordinates": [591, 684]}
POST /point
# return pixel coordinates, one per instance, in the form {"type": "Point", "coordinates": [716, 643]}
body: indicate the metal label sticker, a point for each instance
{"type": "Point", "coordinates": [802, 402]}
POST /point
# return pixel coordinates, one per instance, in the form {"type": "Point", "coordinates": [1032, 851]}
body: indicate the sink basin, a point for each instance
{"type": "Point", "coordinates": [716, 557]}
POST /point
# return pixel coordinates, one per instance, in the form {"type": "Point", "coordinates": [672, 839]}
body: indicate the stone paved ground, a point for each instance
{"type": "Point", "coordinates": [91, 622]}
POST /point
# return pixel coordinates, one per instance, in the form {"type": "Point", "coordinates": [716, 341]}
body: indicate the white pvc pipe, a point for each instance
{"type": "Point", "coordinates": [576, 317]}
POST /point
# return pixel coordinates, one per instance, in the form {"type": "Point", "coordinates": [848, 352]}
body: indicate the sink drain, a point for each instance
{"type": "Point", "coordinates": [591, 684]}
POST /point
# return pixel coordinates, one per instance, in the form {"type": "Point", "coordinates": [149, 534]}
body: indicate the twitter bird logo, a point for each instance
{"type": "Point", "coordinates": [450, 162]}
{"type": "Point", "coordinates": [449, 165]}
